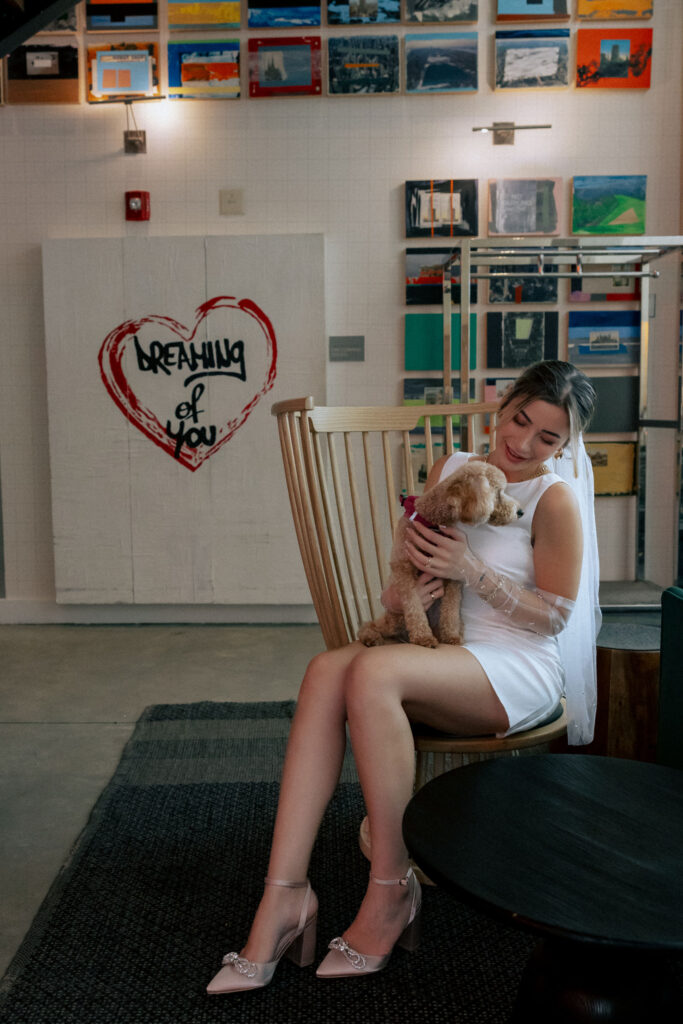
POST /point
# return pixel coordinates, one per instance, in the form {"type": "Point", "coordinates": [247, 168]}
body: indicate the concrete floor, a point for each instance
{"type": "Point", "coordinates": [69, 698]}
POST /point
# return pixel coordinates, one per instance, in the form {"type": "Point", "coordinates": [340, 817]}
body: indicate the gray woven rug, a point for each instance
{"type": "Point", "coordinates": [165, 877]}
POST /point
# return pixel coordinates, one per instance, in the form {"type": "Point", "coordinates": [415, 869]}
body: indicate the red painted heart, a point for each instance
{"type": "Point", "coordinates": [200, 443]}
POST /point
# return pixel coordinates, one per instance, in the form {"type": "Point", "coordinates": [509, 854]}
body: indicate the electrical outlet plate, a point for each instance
{"type": "Point", "coordinates": [230, 201]}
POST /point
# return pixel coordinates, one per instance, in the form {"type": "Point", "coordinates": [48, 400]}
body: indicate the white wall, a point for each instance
{"type": "Point", "coordinates": [332, 165]}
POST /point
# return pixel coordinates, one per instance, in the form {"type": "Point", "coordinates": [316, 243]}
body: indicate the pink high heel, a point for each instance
{"type": "Point", "coordinates": [239, 974]}
{"type": "Point", "coordinates": [344, 962]}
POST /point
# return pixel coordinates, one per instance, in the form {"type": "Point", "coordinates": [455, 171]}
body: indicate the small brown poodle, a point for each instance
{"type": "Point", "coordinates": [474, 494]}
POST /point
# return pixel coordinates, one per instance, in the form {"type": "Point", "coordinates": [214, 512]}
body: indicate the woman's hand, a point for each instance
{"type": "Point", "coordinates": [445, 555]}
{"type": "Point", "coordinates": [428, 587]}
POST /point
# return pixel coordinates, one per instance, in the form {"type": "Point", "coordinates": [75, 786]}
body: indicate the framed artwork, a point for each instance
{"type": "Point", "coordinates": [362, 12]}
{"type": "Point", "coordinates": [429, 391]}
{"type": "Point", "coordinates": [115, 15]}
{"type": "Point", "coordinates": [424, 270]}
{"type": "Point", "coordinates": [204, 70]}
{"type": "Point", "coordinates": [524, 206]}
{"type": "Point", "coordinates": [282, 14]}
{"type": "Point", "coordinates": [495, 388]}
{"type": "Point", "coordinates": [509, 286]}
{"type": "Point", "coordinates": [532, 59]}
{"type": "Point", "coordinates": [200, 15]}
{"type": "Point", "coordinates": [532, 10]}
{"type": "Point", "coordinates": [424, 341]}
{"type": "Point", "coordinates": [65, 22]}
{"type": "Point", "coordinates": [609, 204]}
{"type": "Point", "coordinates": [519, 339]}
{"type": "Point", "coordinates": [616, 408]}
{"type": "Point", "coordinates": [362, 65]}
{"type": "Point", "coordinates": [43, 74]}
{"type": "Point", "coordinates": [441, 62]}
{"type": "Point", "coordinates": [441, 10]}
{"type": "Point", "coordinates": [284, 66]}
{"type": "Point", "coordinates": [604, 337]}
{"type": "Point", "coordinates": [617, 58]}
{"type": "Point", "coordinates": [614, 464]}
{"type": "Point", "coordinates": [443, 207]}
{"type": "Point", "coordinates": [121, 70]}
{"type": "Point", "coordinates": [606, 289]}
{"type": "Point", "coordinates": [602, 10]}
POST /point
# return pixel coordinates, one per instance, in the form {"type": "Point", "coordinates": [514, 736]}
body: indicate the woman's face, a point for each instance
{"type": "Point", "coordinates": [527, 436]}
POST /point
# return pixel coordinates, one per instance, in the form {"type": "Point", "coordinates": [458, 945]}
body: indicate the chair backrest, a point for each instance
{"type": "Point", "coordinates": [670, 731]}
{"type": "Point", "coordinates": [345, 469]}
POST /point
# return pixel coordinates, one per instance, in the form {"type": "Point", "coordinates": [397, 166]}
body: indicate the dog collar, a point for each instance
{"type": "Point", "coordinates": [408, 502]}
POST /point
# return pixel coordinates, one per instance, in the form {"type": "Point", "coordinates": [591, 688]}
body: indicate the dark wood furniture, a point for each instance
{"type": "Point", "coordinates": [585, 851]}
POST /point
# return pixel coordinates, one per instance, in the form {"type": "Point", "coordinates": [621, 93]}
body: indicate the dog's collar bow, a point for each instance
{"type": "Point", "coordinates": [408, 502]}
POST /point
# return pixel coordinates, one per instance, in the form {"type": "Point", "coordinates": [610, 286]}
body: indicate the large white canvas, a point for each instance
{"type": "Point", "coordinates": [133, 523]}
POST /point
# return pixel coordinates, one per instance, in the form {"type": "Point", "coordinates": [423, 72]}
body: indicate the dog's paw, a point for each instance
{"type": "Point", "coordinates": [424, 639]}
{"type": "Point", "coordinates": [455, 639]}
{"type": "Point", "coordinates": [370, 635]}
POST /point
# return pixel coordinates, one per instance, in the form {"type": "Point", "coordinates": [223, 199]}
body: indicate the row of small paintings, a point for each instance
{"type": "Point", "coordinates": [517, 339]}
{"type": "Point", "coordinates": [443, 62]}
{"type": "Point", "coordinates": [103, 15]}
{"type": "Point", "coordinates": [424, 287]}
{"type": "Point", "coordinates": [604, 204]}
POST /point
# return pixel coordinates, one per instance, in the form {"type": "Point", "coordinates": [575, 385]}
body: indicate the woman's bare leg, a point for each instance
{"type": "Point", "coordinates": [446, 687]}
{"type": "Point", "coordinates": [313, 763]}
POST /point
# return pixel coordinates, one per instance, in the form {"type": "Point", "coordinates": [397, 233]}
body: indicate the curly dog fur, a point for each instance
{"type": "Point", "coordinates": [473, 494]}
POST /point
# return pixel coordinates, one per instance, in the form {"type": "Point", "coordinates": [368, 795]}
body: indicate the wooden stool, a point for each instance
{"type": "Point", "coordinates": [628, 692]}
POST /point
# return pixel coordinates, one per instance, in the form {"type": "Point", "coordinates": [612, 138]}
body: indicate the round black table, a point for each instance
{"type": "Point", "coordinates": [585, 851]}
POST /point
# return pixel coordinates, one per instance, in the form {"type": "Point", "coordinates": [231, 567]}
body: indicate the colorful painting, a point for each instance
{"type": "Point", "coordinates": [43, 74]}
{"type": "Point", "coordinates": [205, 70]}
{"type": "Point", "coordinates": [203, 14]}
{"type": "Point", "coordinates": [282, 14]}
{"type": "Point", "coordinates": [509, 284]}
{"type": "Point", "coordinates": [515, 340]}
{"type": "Point", "coordinates": [424, 341]}
{"type": "Point", "coordinates": [603, 10]}
{"type": "Point", "coordinates": [429, 391]}
{"type": "Point", "coordinates": [424, 278]}
{"type": "Point", "coordinates": [609, 204]}
{"type": "Point", "coordinates": [441, 62]}
{"type": "Point", "coordinates": [362, 65]}
{"type": "Point", "coordinates": [527, 59]}
{"type": "Point", "coordinates": [618, 58]}
{"type": "Point", "coordinates": [362, 12]}
{"type": "Point", "coordinates": [115, 15]}
{"type": "Point", "coordinates": [532, 10]}
{"type": "Point", "coordinates": [284, 66]}
{"type": "Point", "coordinates": [121, 70]}
{"type": "Point", "coordinates": [443, 207]}
{"type": "Point", "coordinates": [524, 206]}
{"type": "Point", "coordinates": [618, 288]}
{"type": "Point", "coordinates": [442, 10]}
{"type": "Point", "coordinates": [604, 337]}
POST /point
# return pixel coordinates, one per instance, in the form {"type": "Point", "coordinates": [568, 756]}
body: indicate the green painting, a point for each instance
{"type": "Point", "coordinates": [609, 204]}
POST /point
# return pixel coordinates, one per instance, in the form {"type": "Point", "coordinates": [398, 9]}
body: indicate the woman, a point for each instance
{"type": "Point", "coordinates": [519, 593]}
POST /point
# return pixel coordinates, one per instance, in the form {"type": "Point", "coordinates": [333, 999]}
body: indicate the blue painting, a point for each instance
{"type": "Point", "coordinates": [532, 59]}
{"type": "Point", "coordinates": [362, 12]}
{"type": "Point", "coordinates": [280, 14]}
{"type": "Point", "coordinates": [604, 337]}
{"type": "Point", "coordinates": [363, 64]}
{"type": "Point", "coordinates": [441, 62]}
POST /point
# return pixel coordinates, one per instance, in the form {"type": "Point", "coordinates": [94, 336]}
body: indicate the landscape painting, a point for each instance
{"type": "Point", "coordinates": [511, 285]}
{"type": "Point", "coordinates": [204, 70]}
{"type": "Point", "coordinates": [524, 206]}
{"type": "Point", "coordinates": [520, 339]}
{"type": "Point", "coordinates": [441, 10]}
{"type": "Point", "coordinates": [609, 204]}
{"type": "Point", "coordinates": [532, 10]}
{"type": "Point", "coordinates": [424, 278]}
{"type": "Point", "coordinates": [602, 10]}
{"type": "Point", "coordinates": [203, 14]}
{"type": "Point", "coordinates": [282, 14]}
{"type": "Point", "coordinates": [618, 58]}
{"type": "Point", "coordinates": [284, 66]}
{"type": "Point", "coordinates": [441, 62]}
{"type": "Point", "coordinates": [532, 59]}
{"type": "Point", "coordinates": [441, 207]}
{"type": "Point", "coordinates": [604, 337]}
{"type": "Point", "coordinates": [362, 12]}
{"type": "Point", "coordinates": [362, 65]}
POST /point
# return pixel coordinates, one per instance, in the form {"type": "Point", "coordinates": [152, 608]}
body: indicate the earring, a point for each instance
{"type": "Point", "coordinates": [559, 453]}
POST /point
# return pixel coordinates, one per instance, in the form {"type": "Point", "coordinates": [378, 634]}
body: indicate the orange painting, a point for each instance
{"type": "Point", "coordinates": [618, 58]}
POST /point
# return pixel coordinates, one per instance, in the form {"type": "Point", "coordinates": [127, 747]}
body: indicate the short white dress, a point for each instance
{"type": "Point", "coordinates": [523, 667]}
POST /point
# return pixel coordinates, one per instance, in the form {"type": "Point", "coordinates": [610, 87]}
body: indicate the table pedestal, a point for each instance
{"type": "Point", "coordinates": [568, 982]}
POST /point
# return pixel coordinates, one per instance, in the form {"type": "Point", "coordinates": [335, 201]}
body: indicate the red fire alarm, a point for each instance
{"type": "Point", "coordinates": [137, 205]}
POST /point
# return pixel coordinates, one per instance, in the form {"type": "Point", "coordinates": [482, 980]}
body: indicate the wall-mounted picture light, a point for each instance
{"type": "Point", "coordinates": [504, 131]}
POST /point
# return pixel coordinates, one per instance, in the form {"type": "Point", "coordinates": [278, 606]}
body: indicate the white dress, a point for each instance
{"type": "Point", "coordinates": [523, 667]}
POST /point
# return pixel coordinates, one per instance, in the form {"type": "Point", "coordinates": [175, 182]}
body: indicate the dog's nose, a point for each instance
{"type": "Point", "coordinates": [520, 513]}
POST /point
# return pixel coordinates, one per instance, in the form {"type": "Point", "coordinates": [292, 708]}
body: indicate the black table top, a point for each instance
{"type": "Point", "coordinates": [571, 845]}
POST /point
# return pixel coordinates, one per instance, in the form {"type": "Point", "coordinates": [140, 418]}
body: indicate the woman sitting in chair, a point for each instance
{"type": "Point", "coordinates": [508, 676]}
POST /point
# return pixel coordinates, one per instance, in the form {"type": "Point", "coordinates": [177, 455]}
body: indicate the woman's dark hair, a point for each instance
{"type": "Point", "coordinates": [558, 384]}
